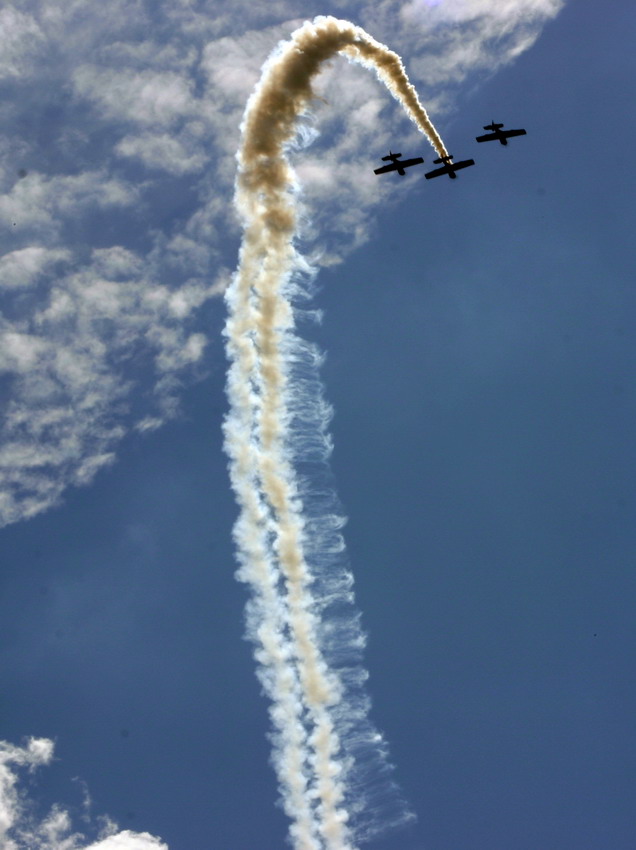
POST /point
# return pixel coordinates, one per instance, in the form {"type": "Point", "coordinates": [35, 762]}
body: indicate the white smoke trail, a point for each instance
{"type": "Point", "coordinates": [330, 761]}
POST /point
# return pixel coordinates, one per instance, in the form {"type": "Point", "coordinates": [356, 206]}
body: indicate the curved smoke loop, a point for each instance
{"type": "Point", "coordinates": [331, 763]}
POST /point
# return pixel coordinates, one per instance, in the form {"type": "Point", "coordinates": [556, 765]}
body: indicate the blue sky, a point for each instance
{"type": "Point", "coordinates": [479, 339]}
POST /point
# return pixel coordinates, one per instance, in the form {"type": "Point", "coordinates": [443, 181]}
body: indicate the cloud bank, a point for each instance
{"type": "Point", "coordinates": [21, 829]}
{"type": "Point", "coordinates": [119, 126]}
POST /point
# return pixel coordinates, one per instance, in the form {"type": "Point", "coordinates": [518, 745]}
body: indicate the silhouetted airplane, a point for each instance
{"type": "Point", "coordinates": [449, 167]}
{"type": "Point", "coordinates": [396, 165]}
{"type": "Point", "coordinates": [498, 133]}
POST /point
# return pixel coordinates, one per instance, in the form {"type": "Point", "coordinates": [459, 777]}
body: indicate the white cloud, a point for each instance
{"type": "Point", "coordinates": [71, 388]}
{"type": "Point", "coordinates": [38, 204]}
{"type": "Point", "coordinates": [450, 40]}
{"type": "Point", "coordinates": [508, 13]}
{"type": "Point", "coordinates": [128, 840]}
{"type": "Point", "coordinates": [142, 97]}
{"type": "Point", "coordinates": [20, 269]}
{"type": "Point", "coordinates": [162, 152]}
{"type": "Point", "coordinates": [20, 42]}
{"type": "Point", "coordinates": [19, 830]}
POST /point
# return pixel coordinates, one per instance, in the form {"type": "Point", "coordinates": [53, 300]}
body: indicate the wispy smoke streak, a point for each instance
{"type": "Point", "coordinates": [323, 738]}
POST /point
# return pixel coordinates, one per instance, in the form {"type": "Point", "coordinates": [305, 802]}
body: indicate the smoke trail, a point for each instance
{"type": "Point", "coordinates": [330, 761]}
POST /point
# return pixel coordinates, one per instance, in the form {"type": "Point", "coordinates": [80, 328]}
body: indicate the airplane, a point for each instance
{"type": "Point", "coordinates": [498, 133]}
{"type": "Point", "coordinates": [449, 167]}
{"type": "Point", "coordinates": [396, 165]}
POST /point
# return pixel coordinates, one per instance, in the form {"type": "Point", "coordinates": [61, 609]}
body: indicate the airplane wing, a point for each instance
{"type": "Point", "coordinates": [509, 133]}
{"type": "Point", "coordinates": [486, 137]}
{"type": "Point", "coordinates": [449, 169]}
{"type": "Point", "coordinates": [383, 169]}
{"type": "Point", "coordinates": [437, 172]}
{"type": "Point", "coordinates": [398, 166]}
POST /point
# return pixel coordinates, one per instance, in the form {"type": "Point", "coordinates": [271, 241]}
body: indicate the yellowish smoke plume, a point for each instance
{"type": "Point", "coordinates": [323, 739]}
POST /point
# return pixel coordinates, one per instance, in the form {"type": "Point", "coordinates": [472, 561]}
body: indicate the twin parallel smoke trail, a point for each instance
{"type": "Point", "coordinates": [331, 763]}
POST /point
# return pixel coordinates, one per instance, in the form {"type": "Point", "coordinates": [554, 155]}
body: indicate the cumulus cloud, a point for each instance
{"type": "Point", "coordinates": [21, 830]}
{"type": "Point", "coordinates": [71, 361]}
{"type": "Point", "coordinates": [457, 38]}
{"type": "Point", "coordinates": [22, 268]}
{"type": "Point", "coordinates": [38, 204]}
{"type": "Point", "coordinates": [117, 138]}
{"type": "Point", "coordinates": [20, 41]}
{"type": "Point", "coordinates": [162, 152]}
{"type": "Point", "coordinates": [144, 98]}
